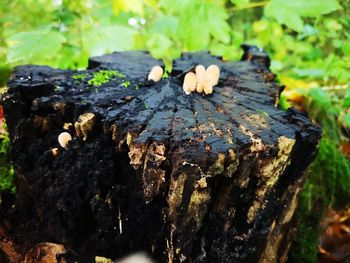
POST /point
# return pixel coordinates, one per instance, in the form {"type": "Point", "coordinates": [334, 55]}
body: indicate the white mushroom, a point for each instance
{"type": "Point", "coordinates": [156, 73]}
{"type": "Point", "coordinates": [213, 74]}
{"type": "Point", "coordinates": [63, 139]}
{"type": "Point", "coordinates": [204, 86]}
{"type": "Point", "coordinates": [190, 83]}
{"type": "Point", "coordinates": [207, 87]}
{"type": "Point", "coordinates": [200, 72]}
{"type": "Point", "coordinates": [200, 86]}
{"type": "Point", "coordinates": [135, 258]}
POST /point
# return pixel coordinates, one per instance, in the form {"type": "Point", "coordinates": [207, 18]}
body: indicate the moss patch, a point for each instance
{"type": "Point", "coordinates": [103, 76]}
{"type": "Point", "coordinates": [79, 76]}
{"type": "Point", "coordinates": [6, 170]}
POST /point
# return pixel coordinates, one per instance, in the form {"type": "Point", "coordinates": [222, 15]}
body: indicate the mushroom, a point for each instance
{"type": "Point", "coordinates": [204, 86]}
{"type": "Point", "coordinates": [63, 139]}
{"type": "Point", "coordinates": [213, 74]}
{"type": "Point", "coordinates": [156, 73]}
{"type": "Point", "coordinates": [54, 152]}
{"type": "Point", "coordinates": [207, 87]}
{"type": "Point", "coordinates": [200, 86]}
{"type": "Point", "coordinates": [84, 124]}
{"type": "Point", "coordinates": [200, 72]}
{"type": "Point", "coordinates": [190, 82]}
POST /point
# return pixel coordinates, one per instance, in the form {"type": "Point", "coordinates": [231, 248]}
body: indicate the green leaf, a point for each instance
{"type": "Point", "coordinates": [34, 46]}
{"type": "Point", "coordinates": [310, 72]}
{"type": "Point", "coordinates": [240, 2]}
{"type": "Point", "coordinates": [106, 39]}
{"type": "Point", "coordinates": [216, 21]}
{"type": "Point", "coordinates": [135, 6]}
{"type": "Point", "coordinates": [158, 44]}
{"type": "Point", "coordinates": [194, 30]}
{"type": "Point", "coordinates": [290, 13]}
{"type": "Point", "coordinates": [346, 101]}
{"type": "Point", "coordinates": [200, 20]}
{"type": "Point", "coordinates": [320, 96]}
{"type": "Point", "coordinates": [284, 16]}
{"type": "Point", "coordinates": [346, 120]}
{"type": "Point", "coordinates": [166, 25]}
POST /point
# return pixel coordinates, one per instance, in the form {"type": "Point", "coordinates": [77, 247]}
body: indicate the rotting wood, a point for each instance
{"type": "Point", "coordinates": [186, 178]}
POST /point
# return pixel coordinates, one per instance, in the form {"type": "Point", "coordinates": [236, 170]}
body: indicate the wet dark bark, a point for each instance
{"type": "Point", "coordinates": [186, 178]}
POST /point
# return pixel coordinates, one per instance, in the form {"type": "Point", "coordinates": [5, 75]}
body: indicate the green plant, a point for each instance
{"type": "Point", "coordinates": [79, 76]}
{"type": "Point", "coordinates": [103, 76]}
{"type": "Point", "coordinates": [6, 169]}
{"type": "Point", "coordinates": [126, 84]}
{"type": "Point", "coordinates": [329, 186]}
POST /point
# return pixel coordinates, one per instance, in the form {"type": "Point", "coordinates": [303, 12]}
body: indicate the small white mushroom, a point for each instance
{"type": "Point", "coordinates": [63, 139]}
{"type": "Point", "coordinates": [213, 74]}
{"type": "Point", "coordinates": [200, 86]}
{"type": "Point", "coordinates": [156, 73]}
{"type": "Point", "coordinates": [204, 86]}
{"type": "Point", "coordinates": [136, 258]}
{"type": "Point", "coordinates": [200, 72]}
{"type": "Point", "coordinates": [207, 87]}
{"type": "Point", "coordinates": [190, 83]}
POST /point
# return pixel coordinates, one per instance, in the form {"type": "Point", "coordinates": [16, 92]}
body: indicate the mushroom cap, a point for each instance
{"type": "Point", "coordinates": [156, 73]}
{"type": "Point", "coordinates": [190, 82]}
{"type": "Point", "coordinates": [200, 72]}
{"type": "Point", "coordinates": [200, 86]}
{"type": "Point", "coordinates": [213, 74]}
{"type": "Point", "coordinates": [207, 87]}
{"type": "Point", "coordinates": [63, 139]}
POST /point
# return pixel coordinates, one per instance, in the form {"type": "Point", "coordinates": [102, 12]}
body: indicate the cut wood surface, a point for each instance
{"type": "Point", "coordinates": [186, 178]}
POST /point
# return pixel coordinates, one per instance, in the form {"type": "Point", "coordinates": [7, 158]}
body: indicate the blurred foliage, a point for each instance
{"type": "Point", "coordinates": [308, 40]}
{"type": "Point", "coordinates": [6, 170]}
{"type": "Point", "coordinates": [328, 183]}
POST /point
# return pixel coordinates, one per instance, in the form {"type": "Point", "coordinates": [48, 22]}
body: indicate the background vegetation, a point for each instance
{"type": "Point", "coordinates": [308, 40]}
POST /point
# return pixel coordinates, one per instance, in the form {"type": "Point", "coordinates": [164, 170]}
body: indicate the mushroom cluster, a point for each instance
{"type": "Point", "coordinates": [202, 81]}
{"type": "Point", "coordinates": [83, 127]}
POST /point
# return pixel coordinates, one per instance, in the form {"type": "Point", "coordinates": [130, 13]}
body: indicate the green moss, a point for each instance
{"type": "Point", "coordinates": [103, 76]}
{"type": "Point", "coordinates": [79, 76]}
{"type": "Point", "coordinates": [126, 84]}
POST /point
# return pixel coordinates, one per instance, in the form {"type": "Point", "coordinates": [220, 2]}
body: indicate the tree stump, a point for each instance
{"type": "Point", "coordinates": [186, 178]}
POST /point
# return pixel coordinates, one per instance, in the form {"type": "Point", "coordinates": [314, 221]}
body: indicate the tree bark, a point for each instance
{"type": "Point", "coordinates": [187, 178]}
